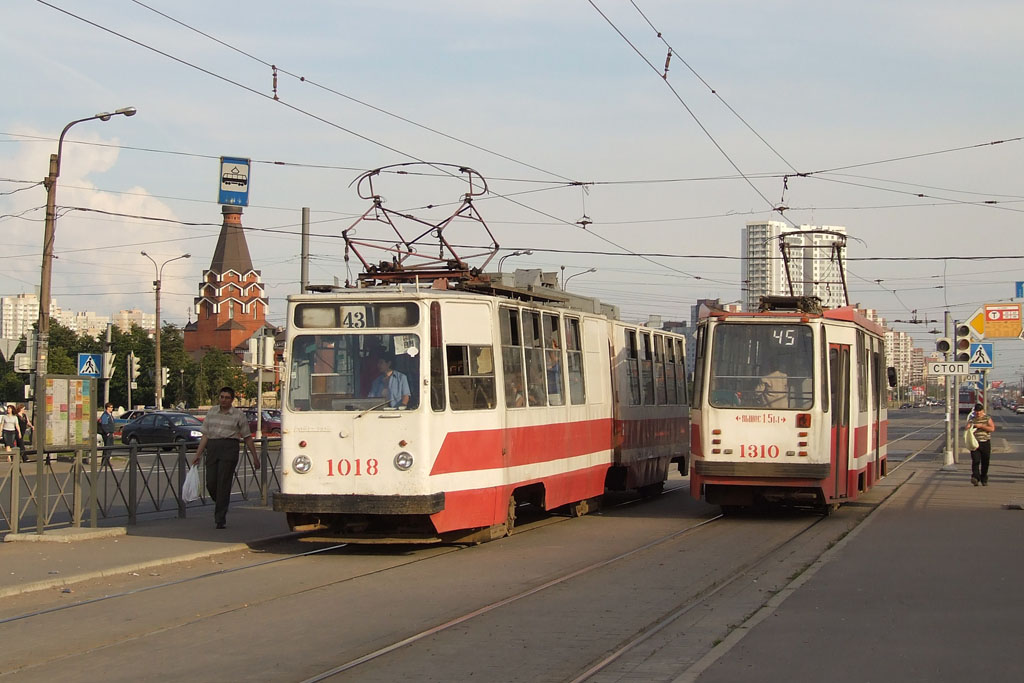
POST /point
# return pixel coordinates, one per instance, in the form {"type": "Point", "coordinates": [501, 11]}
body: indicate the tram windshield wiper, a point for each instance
{"type": "Point", "coordinates": [379, 405]}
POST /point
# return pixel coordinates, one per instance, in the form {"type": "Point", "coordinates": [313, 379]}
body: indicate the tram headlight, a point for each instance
{"type": "Point", "coordinates": [301, 464]}
{"type": "Point", "coordinates": [403, 461]}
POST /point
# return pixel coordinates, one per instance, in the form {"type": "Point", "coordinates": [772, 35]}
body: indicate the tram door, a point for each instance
{"type": "Point", "coordinates": [839, 366]}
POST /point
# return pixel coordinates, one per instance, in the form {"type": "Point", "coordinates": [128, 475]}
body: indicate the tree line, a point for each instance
{"type": "Point", "coordinates": [191, 382]}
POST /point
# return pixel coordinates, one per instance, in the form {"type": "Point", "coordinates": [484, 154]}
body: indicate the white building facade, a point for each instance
{"type": "Point", "coordinates": [813, 269]}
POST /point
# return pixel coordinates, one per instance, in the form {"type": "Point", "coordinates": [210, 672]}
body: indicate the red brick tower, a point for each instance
{"type": "Point", "coordinates": [231, 305]}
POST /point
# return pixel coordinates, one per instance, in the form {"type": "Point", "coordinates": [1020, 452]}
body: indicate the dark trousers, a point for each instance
{"type": "Point", "coordinates": [221, 461]}
{"type": "Point", "coordinates": [979, 460]}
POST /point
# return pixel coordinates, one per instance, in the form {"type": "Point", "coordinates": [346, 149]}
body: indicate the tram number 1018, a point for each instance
{"type": "Point", "coordinates": [758, 451]}
{"type": "Point", "coordinates": [355, 468]}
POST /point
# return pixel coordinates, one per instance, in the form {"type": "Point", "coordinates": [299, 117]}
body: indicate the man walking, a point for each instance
{"type": "Point", "coordinates": [222, 429]}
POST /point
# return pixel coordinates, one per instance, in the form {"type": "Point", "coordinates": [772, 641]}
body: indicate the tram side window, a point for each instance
{"type": "Point", "coordinates": [659, 370]}
{"type": "Point", "coordinates": [533, 351]}
{"type": "Point", "coordinates": [681, 372]}
{"type": "Point", "coordinates": [437, 400]}
{"type": "Point", "coordinates": [647, 368]}
{"type": "Point", "coordinates": [670, 372]}
{"type": "Point", "coordinates": [574, 358]}
{"type": "Point", "coordinates": [470, 377]}
{"type": "Point", "coordinates": [512, 358]}
{"type": "Point", "coordinates": [633, 367]}
{"type": "Point", "coordinates": [553, 359]}
{"type": "Point", "coordinates": [862, 374]}
{"type": "Point", "coordinates": [825, 393]}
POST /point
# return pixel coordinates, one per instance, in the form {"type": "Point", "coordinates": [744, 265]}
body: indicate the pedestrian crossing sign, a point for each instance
{"type": "Point", "coordinates": [90, 364]}
{"type": "Point", "coordinates": [981, 355]}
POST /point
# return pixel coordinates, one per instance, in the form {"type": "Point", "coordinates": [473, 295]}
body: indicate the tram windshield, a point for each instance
{"type": "Point", "coordinates": [354, 372]}
{"type": "Point", "coordinates": [762, 366]}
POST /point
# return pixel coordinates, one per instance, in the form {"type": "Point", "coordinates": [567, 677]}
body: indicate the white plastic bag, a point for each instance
{"type": "Point", "coordinates": [970, 440]}
{"type": "Point", "coordinates": [190, 489]}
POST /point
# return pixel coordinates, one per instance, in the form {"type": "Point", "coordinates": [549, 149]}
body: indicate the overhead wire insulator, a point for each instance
{"type": "Point", "coordinates": [668, 58]}
{"type": "Point", "coordinates": [273, 70]}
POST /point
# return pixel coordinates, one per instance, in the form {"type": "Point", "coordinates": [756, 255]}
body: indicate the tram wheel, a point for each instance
{"type": "Point", "coordinates": [510, 517]}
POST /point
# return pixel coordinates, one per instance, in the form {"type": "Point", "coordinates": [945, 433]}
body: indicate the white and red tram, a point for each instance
{"type": "Point", "coordinates": [789, 407]}
{"type": "Point", "coordinates": [511, 401]}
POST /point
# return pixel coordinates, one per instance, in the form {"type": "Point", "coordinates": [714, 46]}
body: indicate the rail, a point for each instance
{"type": "Point", "coordinates": [83, 486]}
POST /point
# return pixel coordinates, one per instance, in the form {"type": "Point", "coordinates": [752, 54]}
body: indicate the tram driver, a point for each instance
{"type": "Point", "coordinates": [390, 385]}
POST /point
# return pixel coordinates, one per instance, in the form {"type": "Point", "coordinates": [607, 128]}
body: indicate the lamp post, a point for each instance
{"type": "Point", "coordinates": [157, 371]}
{"type": "Point", "coordinates": [565, 280]}
{"type": "Point", "coordinates": [43, 323]}
{"type": "Point", "coordinates": [526, 252]}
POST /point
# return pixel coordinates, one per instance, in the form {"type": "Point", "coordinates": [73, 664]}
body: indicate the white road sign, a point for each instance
{"type": "Point", "coordinates": [957, 368]}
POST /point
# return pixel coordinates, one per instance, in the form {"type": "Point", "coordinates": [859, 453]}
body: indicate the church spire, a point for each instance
{"type": "Point", "coordinates": [232, 252]}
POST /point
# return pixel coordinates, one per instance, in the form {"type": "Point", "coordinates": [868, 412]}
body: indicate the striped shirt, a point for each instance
{"type": "Point", "coordinates": [229, 425]}
{"type": "Point", "coordinates": [979, 434]}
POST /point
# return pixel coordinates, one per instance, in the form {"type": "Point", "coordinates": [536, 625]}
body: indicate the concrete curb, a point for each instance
{"type": "Point", "coordinates": [68, 535]}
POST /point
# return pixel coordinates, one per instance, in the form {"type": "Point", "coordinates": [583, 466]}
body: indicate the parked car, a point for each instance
{"type": "Point", "coordinates": [128, 416]}
{"type": "Point", "coordinates": [271, 421]}
{"type": "Point", "coordinates": [162, 427]}
{"type": "Point", "coordinates": [1019, 409]}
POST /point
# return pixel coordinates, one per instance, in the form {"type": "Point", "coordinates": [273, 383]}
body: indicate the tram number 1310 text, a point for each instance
{"type": "Point", "coordinates": [353, 468]}
{"type": "Point", "coordinates": [761, 451]}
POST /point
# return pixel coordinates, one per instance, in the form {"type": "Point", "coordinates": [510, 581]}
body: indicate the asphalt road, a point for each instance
{"type": "Point", "coordinates": [560, 598]}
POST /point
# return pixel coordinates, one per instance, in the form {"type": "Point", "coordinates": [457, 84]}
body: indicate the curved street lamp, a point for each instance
{"type": "Point", "coordinates": [526, 252]}
{"type": "Point", "coordinates": [565, 280]}
{"type": "Point", "coordinates": [45, 275]}
{"type": "Point", "coordinates": [158, 377]}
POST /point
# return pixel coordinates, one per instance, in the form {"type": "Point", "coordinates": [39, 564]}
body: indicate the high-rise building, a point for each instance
{"type": "Point", "coordinates": [813, 270]}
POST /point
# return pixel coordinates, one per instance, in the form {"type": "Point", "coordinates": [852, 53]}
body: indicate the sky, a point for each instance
{"type": "Point", "coordinates": [876, 116]}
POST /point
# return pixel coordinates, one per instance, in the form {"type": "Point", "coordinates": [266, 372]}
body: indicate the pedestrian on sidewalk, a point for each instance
{"type": "Point", "coordinates": [26, 427]}
{"type": "Point", "coordinates": [983, 426]}
{"type": "Point", "coordinates": [11, 429]}
{"type": "Point", "coordinates": [222, 429]}
{"type": "Point", "coordinates": [107, 427]}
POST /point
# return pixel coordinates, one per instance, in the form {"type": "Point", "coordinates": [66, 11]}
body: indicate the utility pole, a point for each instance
{"type": "Point", "coordinates": [947, 454]}
{"type": "Point", "coordinates": [108, 365]}
{"type": "Point", "coordinates": [304, 261]}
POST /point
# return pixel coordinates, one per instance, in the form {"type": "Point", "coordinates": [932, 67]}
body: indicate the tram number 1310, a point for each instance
{"type": "Point", "coordinates": [758, 451]}
{"type": "Point", "coordinates": [354, 468]}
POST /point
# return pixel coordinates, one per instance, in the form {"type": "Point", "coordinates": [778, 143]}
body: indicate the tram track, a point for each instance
{"type": "Point", "coordinates": [551, 519]}
{"type": "Point", "coordinates": [763, 563]}
{"type": "Point", "coordinates": [29, 617]}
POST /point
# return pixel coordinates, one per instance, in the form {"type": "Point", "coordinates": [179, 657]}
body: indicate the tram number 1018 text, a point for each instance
{"type": "Point", "coordinates": [761, 451]}
{"type": "Point", "coordinates": [352, 468]}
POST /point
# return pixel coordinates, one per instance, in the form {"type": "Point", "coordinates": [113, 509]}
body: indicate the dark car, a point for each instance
{"type": "Point", "coordinates": [271, 421]}
{"type": "Point", "coordinates": [163, 427]}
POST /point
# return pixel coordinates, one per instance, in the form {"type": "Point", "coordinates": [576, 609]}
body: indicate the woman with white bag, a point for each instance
{"type": "Point", "coordinates": [980, 426]}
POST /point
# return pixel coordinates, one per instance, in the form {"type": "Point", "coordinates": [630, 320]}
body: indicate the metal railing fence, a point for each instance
{"type": "Point", "coordinates": [84, 486]}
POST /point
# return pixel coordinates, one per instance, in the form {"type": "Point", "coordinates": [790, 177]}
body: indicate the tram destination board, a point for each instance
{"type": "Point", "coordinates": [958, 368]}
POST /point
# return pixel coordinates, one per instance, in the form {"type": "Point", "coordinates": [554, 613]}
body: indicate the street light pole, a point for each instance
{"type": "Point", "coordinates": [565, 280]}
{"type": "Point", "coordinates": [45, 275]}
{"type": "Point", "coordinates": [525, 252]}
{"type": "Point", "coordinates": [157, 371]}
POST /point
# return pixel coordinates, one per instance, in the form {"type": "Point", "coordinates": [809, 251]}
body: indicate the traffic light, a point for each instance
{"type": "Point", "coordinates": [962, 345]}
{"type": "Point", "coordinates": [943, 345]}
{"type": "Point", "coordinates": [133, 367]}
{"type": "Point", "coordinates": [165, 376]}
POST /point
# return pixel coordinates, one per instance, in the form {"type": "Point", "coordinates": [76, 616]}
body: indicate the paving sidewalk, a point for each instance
{"type": "Point", "coordinates": [931, 588]}
{"type": "Point", "coordinates": [29, 566]}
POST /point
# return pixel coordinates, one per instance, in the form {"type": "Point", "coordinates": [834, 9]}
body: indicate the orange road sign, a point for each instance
{"type": "Point", "coordinates": [997, 321]}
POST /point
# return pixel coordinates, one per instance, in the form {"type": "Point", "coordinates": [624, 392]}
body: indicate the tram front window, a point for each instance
{"type": "Point", "coordinates": [354, 372]}
{"type": "Point", "coordinates": [762, 366]}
